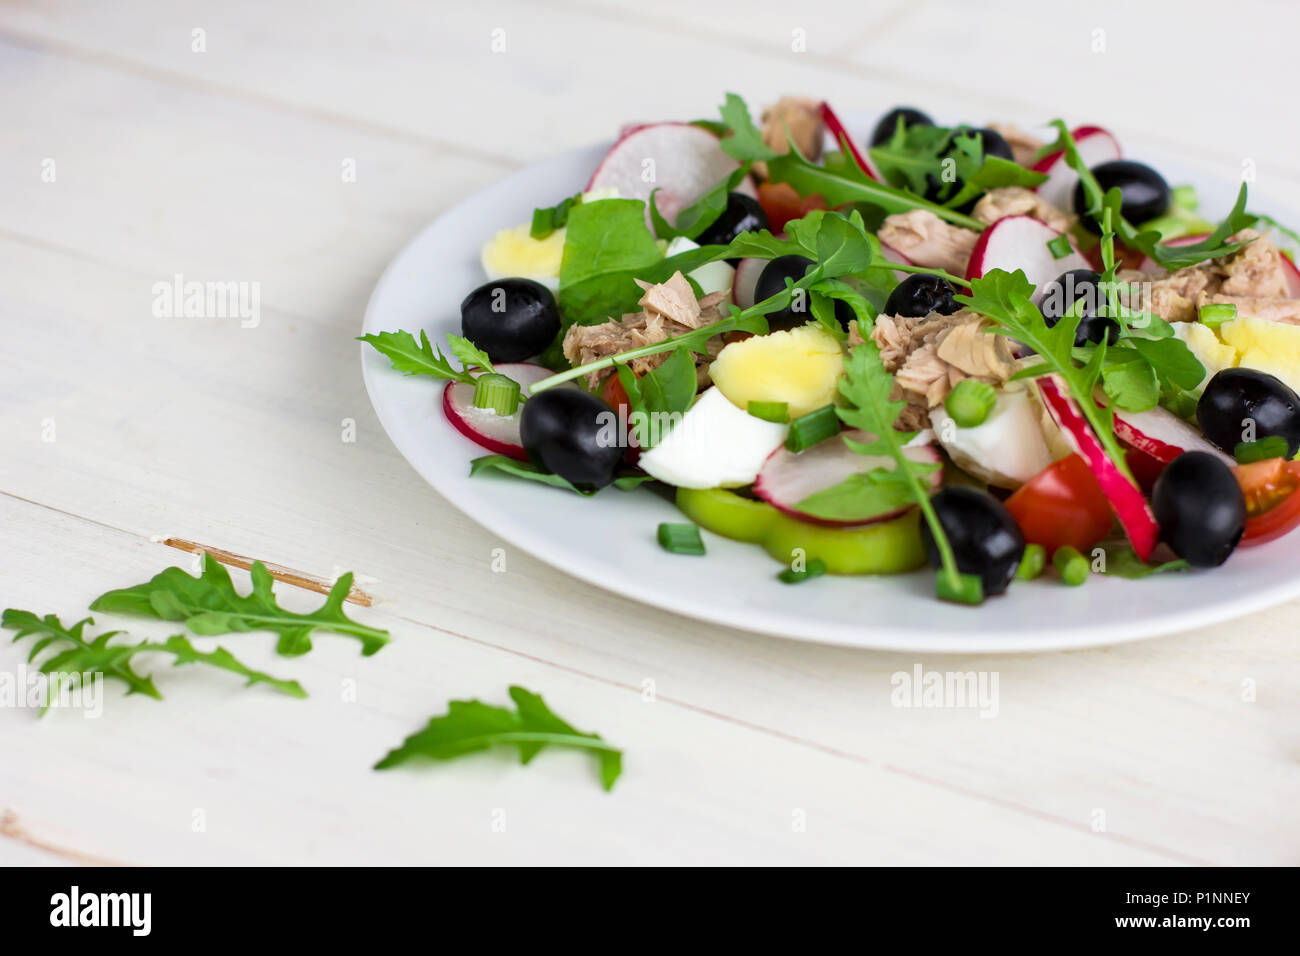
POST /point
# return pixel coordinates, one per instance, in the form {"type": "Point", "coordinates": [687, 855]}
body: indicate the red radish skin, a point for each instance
{"type": "Point", "coordinates": [687, 162]}
{"type": "Point", "coordinates": [840, 134]}
{"type": "Point", "coordinates": [1292, 277]}
{"type": "Point", "coordinates": [1020, 242]}
{"type": "Point", "coordinates": [497, 433]}
{"type": "Point", "coordinates": [1125, 497]}
{"type": "Point", "coordinates": [788, 477]}
{"type": "Point", "coordinates": [1162, 435]}
{"type": "Point", "coordinates": [1096, 146]}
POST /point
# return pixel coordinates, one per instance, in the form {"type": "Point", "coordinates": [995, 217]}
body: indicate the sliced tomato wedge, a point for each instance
{"type": "Point", "coordinates": [782, 203]}
{"type": "Point", "coordinates": [1063, 504]}
{"type": "Point", "coordinates": [1272, 504]}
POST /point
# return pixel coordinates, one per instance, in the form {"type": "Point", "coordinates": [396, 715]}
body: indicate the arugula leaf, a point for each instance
{"type": "Point", "coordinates": [606, 247]}
{"type": "Point", "coordinates": [743, 140]}
{"type": "Point", "coordinates": [1129, 380]}
{"type": "Point", "coordinates": [1123, 562]}
{"type": "Point", "coordinates": [917, 157]}
{"type": "Point", "coordinates": [470, 726]}
{"type": "Point", "coordinates": [209, 604]}
{"type": "Point", "coordinates": [867, 387]}
{"type": "Point", "coordinates": [412, 358]}
{"type": "Point", "coordinates": [1214, 246]}
{"type": "Point", "coordinates": [662, 391]}
{"type": "Point", "coordinates": [85, 655]}
{"type": "Point", "coordinates": [526, 469]}
{"type": "Point", "coordinates": [840, 188]}
{"type": "Point", "coordinates": [469, 354]}
{"type": "Point", "coordinates": [857, 498]}
{"type": "Point", "coordinates": [1005, 297]}
{"type": "Point", "coordinates": [547, 220]}
{"type": "Point", "coordinates": [702, 213]}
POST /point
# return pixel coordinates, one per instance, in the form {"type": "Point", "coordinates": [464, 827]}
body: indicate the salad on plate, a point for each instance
{"type": "Point", "coordinates": [997, 352]}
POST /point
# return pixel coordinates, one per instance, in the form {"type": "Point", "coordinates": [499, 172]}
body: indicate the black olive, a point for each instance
{"type": "Point", "coordinates": [994, 143]}
{"type": "Point", "coordinates": [743, 214]}
{"type": "Point", "coordinates": [921, 294]}
{"type": "Point", "coordinates": [1200, 508]}
{"type": "Point", "coordinates": [1241, 404]}
{"type": "Point", "coordinates": [985, 539]}
{"type": "Point", "coordinates": [772, 280]}
{"type": "Point", "coordinates": [888, 124]}
{"type": "Point", "coordinates": [573, 434]}
{"type": "Point", "coordinates": [1145, 194]}
{"type": "Point", "coordinates": [1068, 288]}
{"type": "Point", "coordinates": [510, 319]}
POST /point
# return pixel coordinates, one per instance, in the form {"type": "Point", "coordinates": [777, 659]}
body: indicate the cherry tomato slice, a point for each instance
{"type": "Point", "coordinates": [1272, 504]}
{"type": "Point", "coordinates": [782, 203]}
{"type": "Point", "coordinates": [1062, 505]}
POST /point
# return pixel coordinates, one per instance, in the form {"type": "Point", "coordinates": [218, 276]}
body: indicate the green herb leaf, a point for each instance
{"type": "Point", "coordinates": [1129, 380]}
{"type": "Point", "coordinates": [839, 188]}
{"type": "Point", "coordinates": [520, 469]}
{"type": "Point", "coordinates": [546, 221]}
{"type": "Point", "coordinates": [859, 497]}
{"type": "Point", "coordinates": [1213, 246]}
{"type": "Point", "coordinates": [209, 604]}
{"type": "Point", "coordinates": [699, 215]}
{"type": "Point", "coordinates": [415, 358]}
{"type": "Point", "coordinates": [606, 246]}
{"type": "Point", "coordinates": [866, 386]}
{"type": "Point", "coordinates": [743, 140]}
{"type": "Point", "coordinates": [1005, 298]}
{"type": "Point", "coordinates": [470, 726]}
{"type": "Point", "coordinates": [1271, 446]}
{"type": "Point", "coordinates": [469, 354]}
{"type": "Point", "coordinates": [663, 391]}
{"type": "Point", "coordinates": [84, 655]}
{"type": "Point", "coordinates": [815, 568]}
{"type": "Point", "coordinates": [1123, 562]}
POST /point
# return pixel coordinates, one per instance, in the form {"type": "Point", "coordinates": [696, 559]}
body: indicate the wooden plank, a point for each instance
{"type": "Point", "coordinates": [219, 774]}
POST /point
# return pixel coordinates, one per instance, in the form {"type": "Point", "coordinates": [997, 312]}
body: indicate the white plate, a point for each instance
{"type": "Point", "coordinates": [609, 540]}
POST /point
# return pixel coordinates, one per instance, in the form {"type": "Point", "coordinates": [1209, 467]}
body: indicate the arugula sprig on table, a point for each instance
{"type": "Point", "coordinates": [1213, 246]}
{"type": "Point", "coordinates": [78, 653]}
{"type": "Point", "coordinates": [470, 726]}
{"type": "Point", "coordinates": [867, 387]}
{"type": "Point", "coordinates": [209, 605]}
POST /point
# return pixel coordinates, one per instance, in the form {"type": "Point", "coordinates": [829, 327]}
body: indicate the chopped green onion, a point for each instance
{"type": "Point", "coordinates": [681, 538]}
{"type": "Point", "coordinates": [1184, 197]}
{"type": "Point", "coordinates": [969, 589]}
{"type": "Point", "coordinates": [770, 411]}
{"type": "Point", "coordinates": [1060, 247]}
{"type": "Point", "coordinates": [1071, 565]}
{"type": "Point", "coordinates": [1272, 446]}
{"type": "Point", "coordinates": [808, 430]}
{"type": "Point", "coordinates": [1215, 315]}
{"type": "Point", "coordinates": [814, 569]}
{"type": "Point", "coordinates": [970, 402]}
{"type": "Point", "coordinates": [496, 392]}
{"type": "Point", "coordinates": [1032, 564]}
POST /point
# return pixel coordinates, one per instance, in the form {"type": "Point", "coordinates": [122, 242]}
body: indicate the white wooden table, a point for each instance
{"type": "Point", "coordinates": [211, 140]}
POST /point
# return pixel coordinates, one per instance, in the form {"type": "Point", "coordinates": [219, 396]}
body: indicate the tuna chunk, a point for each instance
{"type": "Point", "coordinates": [669, 308]}
{"type": "Point", "coordinates": [802, 117]}
{"type": "Point", "coordinates": [1017, 201]}
{"type": "Point", "coordinates": [1253, 274]}
{"type": "Point", "coordinates": [928, 241]}
{"type": "Point", "coordinates": [1023, 146]}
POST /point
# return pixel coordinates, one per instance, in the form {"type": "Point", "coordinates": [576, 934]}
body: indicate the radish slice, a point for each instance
{"type": "Point", "coordinates": [1125, 498]}
{"type": "Point", "coordinates": [681, 160]}
{"type": "Point", "coordinates": [746, 281]}
{"type": "Point", "coordinates": [842, 138]}
{"type": "Point", "coordinates": [788, 478]}
{"type": "Point", "coordinates": [1020, 242]}
{"type": "Point", "coordinates": [1095, 145]}
{"type": "Point", "coordinates": [496, 433]}
{"type": "Point", "coordinates": [893, 255]}
{"type": "Point", "coordinates": [1162, 435]}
